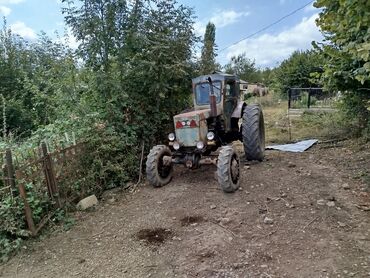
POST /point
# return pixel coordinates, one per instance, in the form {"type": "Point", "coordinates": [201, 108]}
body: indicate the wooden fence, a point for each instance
{"type": "Point", "coordinates": [51, 175]}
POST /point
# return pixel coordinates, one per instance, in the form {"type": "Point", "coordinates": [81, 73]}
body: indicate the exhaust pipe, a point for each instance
{"type": "Point", "coordinates": [212, 99]}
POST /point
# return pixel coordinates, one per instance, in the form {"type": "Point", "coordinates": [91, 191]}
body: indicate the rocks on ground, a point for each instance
{"type": "Point", "coordinates": [87, 202]}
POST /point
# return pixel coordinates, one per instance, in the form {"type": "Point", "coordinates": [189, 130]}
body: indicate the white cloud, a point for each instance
{"type": "Point", "coordinates": [199, 28]}
{"type": "Point", "coordinates": [9, 2]}
{"type": "Point", "coordinates": [268, 49]}
{"type": "Point", "coordinates": [220, 19]}
{"type": "Point", "coordinates": [224, 18]}
{"type": "Point", "coordinates": [5, 10]}
{"type": "Point", "coordinates": [23, 30]}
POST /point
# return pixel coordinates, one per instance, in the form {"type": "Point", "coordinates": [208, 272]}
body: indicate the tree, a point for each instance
{"type": "Point", "coordinates": [208, 58]}
{"type": "Point", "coordinates": [138, 75]}
{"type": "Point", "coordinates": [299, 70]}
{"type": "Point", "coordinates": [141, 63]}
{"type": "Point", "coordinates": [345, 25]}
{"type": "Point", "coordinates": [243, 67]}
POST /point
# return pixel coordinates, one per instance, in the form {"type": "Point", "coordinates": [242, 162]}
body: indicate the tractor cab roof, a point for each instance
{"type": "Point", "coordinates": [219, 76]}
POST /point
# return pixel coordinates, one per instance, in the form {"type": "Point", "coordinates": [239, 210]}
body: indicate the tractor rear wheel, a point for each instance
{"type": "Point", "coordinates": [228, 169]}
{"type": "Point", "coordinates": [157, 172]}
{"type": "Point", "coordinates": [253, 132]}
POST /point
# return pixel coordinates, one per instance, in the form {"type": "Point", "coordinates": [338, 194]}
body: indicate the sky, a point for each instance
{"type": "Point", "coordinates": [234, 20]}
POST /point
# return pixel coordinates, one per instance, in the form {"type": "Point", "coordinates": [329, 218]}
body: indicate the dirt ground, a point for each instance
{"type": "Point", "coordinates": [296, 215]}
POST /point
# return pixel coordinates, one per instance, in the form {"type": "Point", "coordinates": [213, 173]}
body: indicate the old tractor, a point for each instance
{"type": "Point", "coordinates": [218, 119]}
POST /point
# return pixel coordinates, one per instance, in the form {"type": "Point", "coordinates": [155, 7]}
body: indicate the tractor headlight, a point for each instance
{"type": "Point", "coordinates": [200, 145]}
{"type": "Point", "coordinates": [171, 137]}
{"type": "Point", "coordinates": [210, 136]}
{"type": "Point", "coordinates": [176, 145]}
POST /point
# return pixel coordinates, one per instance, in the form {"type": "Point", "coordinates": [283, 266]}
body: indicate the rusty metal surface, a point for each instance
{"type": "Point", "coordinates": [208, 161]}
{"type": "Point", "coordinates": [204, 114]}
{"type": "Point", "coordinates": [27, 209]}
{"type": "Point", "coordinates": [237, 113]}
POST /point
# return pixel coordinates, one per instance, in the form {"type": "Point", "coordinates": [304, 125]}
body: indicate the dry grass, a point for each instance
{"type": "Point", "coordinates": [282, 129]}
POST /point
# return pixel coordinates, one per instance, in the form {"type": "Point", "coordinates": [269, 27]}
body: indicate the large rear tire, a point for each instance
{"type": "Point", "coordinates": [228, 169]}
{"type": "Point", "coordinates": [157, 173]}
{"type": "Point", "coordinates": [253, 132]}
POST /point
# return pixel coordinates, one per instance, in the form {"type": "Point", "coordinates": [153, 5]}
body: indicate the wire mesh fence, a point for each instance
{"type": "Point", "coordinates": [306, 98]}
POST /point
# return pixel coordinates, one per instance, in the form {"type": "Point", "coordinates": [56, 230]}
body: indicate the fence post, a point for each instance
{"type": "Point", "coordinates": [27, 209]}
{"type": "Point", "coordinates": [289, 98]}
{"type": "Point", "coordinates": [309, 99]}
{"type": "Point", "coordinates": [9, 168]}
{"type": "Point", "coordinates": [5, 174]}
{"type": "Point", "coordinates": [50, 175]}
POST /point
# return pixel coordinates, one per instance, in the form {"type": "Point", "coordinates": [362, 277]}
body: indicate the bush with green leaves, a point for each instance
{"type": "Point", "coordinates": [117, 92]}
{"type": "Point", "coordinates": [345, 26]}
{"type": "Point", "coordinates": [12, 225]}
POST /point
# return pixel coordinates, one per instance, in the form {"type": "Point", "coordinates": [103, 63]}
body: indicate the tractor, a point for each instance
{"type": "Point", "coordinates": [218, 119]}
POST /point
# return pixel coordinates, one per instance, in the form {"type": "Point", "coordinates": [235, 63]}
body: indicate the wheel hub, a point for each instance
{"type": "Point", "coordinates": [234, 170]}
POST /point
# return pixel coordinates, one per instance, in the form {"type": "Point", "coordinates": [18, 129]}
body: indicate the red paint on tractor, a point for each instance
{"type": "Point", "coordinates": [179, 124]}
{"type": "Point", "coordinates": [193, 123]}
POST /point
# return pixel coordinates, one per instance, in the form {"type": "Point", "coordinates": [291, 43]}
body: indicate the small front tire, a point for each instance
{"type": "Point", "coordinates": [157, 173]}
{"type": "Point", "coordinates": [228, 169]}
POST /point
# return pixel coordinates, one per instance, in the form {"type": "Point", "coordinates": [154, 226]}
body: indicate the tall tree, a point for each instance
{"type": "Point", "coordinates": [208, 58]}
{"type": "Point", "coordinates": [140, 52]}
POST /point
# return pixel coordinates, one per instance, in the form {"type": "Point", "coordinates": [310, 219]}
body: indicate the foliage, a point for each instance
{"type": "Point", "coordinates": [12, 225]}
{"type": "Point", "coordinates": [37, 80]}
{"type": "Point", "coordinates": [149, 46]}
{"type": "Point", "coordinates": [208, 58]}
{"type": "Point", "coordinates": [246, 70]}
{"type": "Point", "coordinates": [345, 25]}
{"type": "Point", "coordinates": [301, 69]}
{"type": "Point", "coordinates": [243, 67]}
{"type": "Point", "coordinates": [302, 102]}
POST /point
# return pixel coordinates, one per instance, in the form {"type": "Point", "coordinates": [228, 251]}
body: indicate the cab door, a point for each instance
{"type": "Point", "coordinates": [230, 101]}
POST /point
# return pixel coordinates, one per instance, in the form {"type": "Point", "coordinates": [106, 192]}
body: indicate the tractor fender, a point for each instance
{"type": "Point", "coordinates": [238, 111]}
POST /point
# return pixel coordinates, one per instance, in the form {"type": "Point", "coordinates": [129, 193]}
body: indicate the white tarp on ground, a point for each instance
{"type": "Point", "coordinates": [298, 147]}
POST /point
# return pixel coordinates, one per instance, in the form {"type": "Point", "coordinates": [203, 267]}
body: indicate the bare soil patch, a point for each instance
{"type": "Point", "coordinates": [154, 236]}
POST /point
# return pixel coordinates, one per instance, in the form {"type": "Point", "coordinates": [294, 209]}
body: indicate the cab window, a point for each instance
{"type": "Point", "coordinates": [202, 92]}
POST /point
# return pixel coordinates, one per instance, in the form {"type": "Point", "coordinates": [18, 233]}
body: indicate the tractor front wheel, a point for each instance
{"type": "Point", "coordinates": [158, 173]}
{"type": "Point", "coordinates": [228, 169]}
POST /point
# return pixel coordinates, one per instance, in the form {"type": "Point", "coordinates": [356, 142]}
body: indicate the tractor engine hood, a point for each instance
{"type": "Point", "coordinates": [191, 127]}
